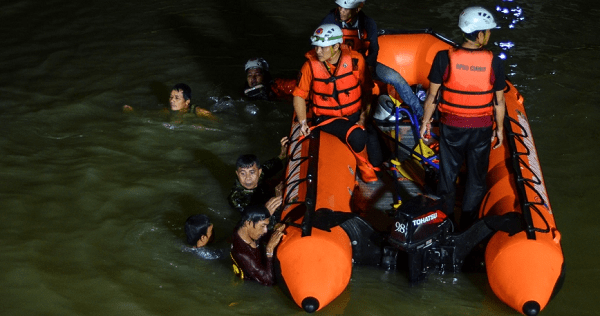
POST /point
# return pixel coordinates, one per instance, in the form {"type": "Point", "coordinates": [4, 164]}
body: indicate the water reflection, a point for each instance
{"type": "Point", "coordinates": [514, 15]}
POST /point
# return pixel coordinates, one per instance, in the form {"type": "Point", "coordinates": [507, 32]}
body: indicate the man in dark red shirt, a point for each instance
{"type": "Point", "coordinates": [251, 259]}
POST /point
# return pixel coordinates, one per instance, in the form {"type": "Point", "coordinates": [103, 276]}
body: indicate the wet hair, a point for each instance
{"type": "Point", "coordinates": [254, 214]}
{"type": "Point", "coordinates": [196, 226]}
{"type": "Point", "coordinates": [185, 90]}
{"type": "Point", "coordinates": [247, 161]}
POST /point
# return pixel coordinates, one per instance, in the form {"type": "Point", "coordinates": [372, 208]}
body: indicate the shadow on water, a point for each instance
{"type": "Point", "coordinates": [161, 92]}
{"type": "Point", "coordinates": [243, 31]}
{"type": "Point", "coordinates": [218, 169]}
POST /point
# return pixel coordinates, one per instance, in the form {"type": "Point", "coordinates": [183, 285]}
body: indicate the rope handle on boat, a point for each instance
{"type": "Point", "coordinates": [292, 185]}
{"type": "Point", "coordinates": [518, 163]}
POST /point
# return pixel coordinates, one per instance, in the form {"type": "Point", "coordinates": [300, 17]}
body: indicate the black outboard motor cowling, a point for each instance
{"type": "Point", "coordinates": [427, 236]}
{"type": "Point", "coordinates": [422, 230]}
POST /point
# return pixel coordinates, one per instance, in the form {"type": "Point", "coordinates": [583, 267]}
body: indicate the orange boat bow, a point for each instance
{"type": "Point", "coordinates": [317, 268]}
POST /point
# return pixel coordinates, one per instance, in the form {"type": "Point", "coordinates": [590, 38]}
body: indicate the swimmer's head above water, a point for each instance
{"type": "Point", "coordinates": [199, 230]}
{"type": "Point", "coordinates": [181, 97]}
{"type": "Point", "coordinates": [256, 68]}
{"type": "Point", "coordinates": [254, 222]}
{"type": "Point", "coordinates": [248, 171]}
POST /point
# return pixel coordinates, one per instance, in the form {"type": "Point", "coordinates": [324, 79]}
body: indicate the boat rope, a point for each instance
{"type": "Point", "coordinates": [527, 205]}
{"type": "Point", "coordinates": [293, 181]}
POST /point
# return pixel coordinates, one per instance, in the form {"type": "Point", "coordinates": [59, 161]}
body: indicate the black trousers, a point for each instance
{"type": "Point", "coordinates": [358, 139]}
{"type": "Point", "coordinates": [464, 144]}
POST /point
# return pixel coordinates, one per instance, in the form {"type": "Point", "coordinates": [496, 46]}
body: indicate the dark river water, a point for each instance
{"type": "Point", "coordinates": [93, 201]}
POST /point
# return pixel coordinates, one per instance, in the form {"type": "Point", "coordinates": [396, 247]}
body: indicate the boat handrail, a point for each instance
{"type": "Point", "coordinates": [306, 225]}
{"type": "Point", "coordinates": [518, 163]}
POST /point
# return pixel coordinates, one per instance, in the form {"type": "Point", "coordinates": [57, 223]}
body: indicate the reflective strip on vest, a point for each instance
{"type": "Point", "coordinates": [337, 95]}
{"type": "Point", "coordinates": [468, 91]}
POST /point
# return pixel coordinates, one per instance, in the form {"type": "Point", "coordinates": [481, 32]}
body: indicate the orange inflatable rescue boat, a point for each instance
{"type": "Point", "coordinates": [325, 236]}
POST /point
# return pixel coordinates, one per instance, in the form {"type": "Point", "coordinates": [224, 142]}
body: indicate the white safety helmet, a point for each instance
{"type": "Point", "coordinates": [327, 35]}
{"type": "Point", "coordinates": [476, 19]}
{"type": "Point", "coordinates": [349, 4]}
{"type": "Point", "coordinates": [256, 63]}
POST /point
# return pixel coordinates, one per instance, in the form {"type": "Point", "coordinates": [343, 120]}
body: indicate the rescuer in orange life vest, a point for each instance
{"type": "Point", "coordinates": [467, 85]}
{"type": "Point", "coordinates": [338, 85]}
{"type": "Point", "coordinates": [360, 34]}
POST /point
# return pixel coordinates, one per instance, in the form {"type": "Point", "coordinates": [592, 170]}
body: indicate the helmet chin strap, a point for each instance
{"type": "Point", "coordinates": [486, 38]}
{"type": "Point", "coordinates": [333, 55]}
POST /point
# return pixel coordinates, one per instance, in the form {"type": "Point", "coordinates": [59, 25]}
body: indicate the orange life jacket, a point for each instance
{"type": "Point", "coordinates": [283, 87]}
{"type": "Point", "coordinates": [356, 40]}
{"type": "Point", "coordinates": [468, 91]}
{"type": "Point", "coordinates": [338, 94]}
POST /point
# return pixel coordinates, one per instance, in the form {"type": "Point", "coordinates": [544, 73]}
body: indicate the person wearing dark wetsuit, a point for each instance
{"type": "Point", "coordinates": [251, 259]}
{"type": "Point", "coordinates": [253, 184]}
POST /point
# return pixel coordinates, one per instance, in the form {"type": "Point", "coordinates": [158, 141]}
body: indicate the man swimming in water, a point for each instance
{"type": "Point", "coordinates": [251, 259]}
{"type": "Point", "coordinates": [180, 103]}
{"type": "Point", "coordinates": [259, 84]}
{"type": "Point", "coordinates": [199, 232]}
{"type": "Point", "coordinates": [253, 184]}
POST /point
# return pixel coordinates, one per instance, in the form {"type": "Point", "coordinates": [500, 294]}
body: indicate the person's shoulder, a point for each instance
{"type": "Point", "coordinates": [330, 18]}
{"type": "Point", "coordinates": [270, 167]}
{"type": "Point", "coordinates": [306, 69]}
{"type": "Point", "coordinates": [310, 54]}
{"type": "Point", "coordinates": [442, 53]}
{"type": "Point", "coordinates": [237, 186]}
{"type": "Point", "coordinates": [441, 57]}
{"type": "Point", "coordinates": [497, 62]}
{"type": "Point", "coordinates": [496, 59]}
{"type": "Point", "coordinates": [356, 55]}
{"type": "Point", "coordinates": [331, 13]}
{"type": "Point", "coordinates": [366, 18]}
{"type": "Point", "coordinates": [206, 253]}
{"type": "Point", "coordinates": [236, 242]}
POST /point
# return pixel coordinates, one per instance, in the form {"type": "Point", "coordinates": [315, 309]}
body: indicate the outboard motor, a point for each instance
{"type": "Point", "coordinates": [421, 230]}
{"type": "Point", "coordinates": [427, 235]}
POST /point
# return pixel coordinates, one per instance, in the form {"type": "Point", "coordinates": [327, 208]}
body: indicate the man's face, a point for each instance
{"type": "Point", "coordinates": [324, 53]}
{"type": "Point", "coordinates": [177, 102]}
{"type": "Point", "coordinates": [255, 231]}
{"type": "Point", "coordinates": [254, 77]}
{"type": "Point", "coordinates": [346, 14]}
{"type": "Point", "coordinates": [248, 177]}
{"type": "Point", "coordinates": [205, 239]}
